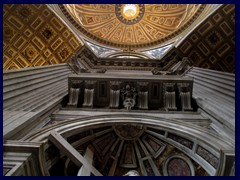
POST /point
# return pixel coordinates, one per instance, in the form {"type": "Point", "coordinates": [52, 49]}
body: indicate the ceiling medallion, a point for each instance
{"type": "Point", "coordinates": [129, 13]}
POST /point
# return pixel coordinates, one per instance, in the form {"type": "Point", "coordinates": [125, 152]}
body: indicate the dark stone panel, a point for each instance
{"type": "Point", "coordinates": [51, 152]}
{"type": "Point", "coordinates": [155, 146]}
{"type": "Point", "coordinates": [78, 136]}
{"type": "Point", "coordinates": [58, 168]}
{"type": "Point", "coordinates": [178, 167]}
{"type": "Point", "coordinates": [128, 156]}
{"type": "Point", "coordinates": [102, 89]}
{"type": "Point", "coordinates": [104, 142]}
{"type": "Point", "coordinates": [103, 93]}
{"type": "Point", "coordinates": [129, 132]}
{"type": "Point", "coordinates": [230, 162]}
{"type": "Point", "coordinates": [199, 171]}
{"type": "Point", "coordinates": [114, 153]}
{"type": "Point", "coordinates": [107, 167]}
{"type": "Point", "coordinates": [158, 131]}
{"type": "Point", "coordinates": [148, 168]}
{"type": "Point", "coordinates": [140, 149]}
{"type": "Point", "coordinates": [208, 156]}
{"type": "Point", "coordinates": [181, 140]}
{"type": "Point", "coordinates": [83, 147]}
{"type": "Point", "coordinates": [154, 101]}
{"type": "Point", "coordinates": [101, 129]}
{"type": "Point", "coordinates": [71, 169]}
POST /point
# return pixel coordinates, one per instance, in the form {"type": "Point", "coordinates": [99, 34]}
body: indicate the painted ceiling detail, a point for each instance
{"type": "Point", "coordinates": [151, 24]}
{"type": "Point", "coordinates": [34, 36]}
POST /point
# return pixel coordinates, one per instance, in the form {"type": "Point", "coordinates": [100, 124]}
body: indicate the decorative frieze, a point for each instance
{"type": "Point", "coordinates": [132, 92]}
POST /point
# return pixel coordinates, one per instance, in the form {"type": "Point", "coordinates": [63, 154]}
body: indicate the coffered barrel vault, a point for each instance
{"type": "Point", "coordinates": [34, 36]}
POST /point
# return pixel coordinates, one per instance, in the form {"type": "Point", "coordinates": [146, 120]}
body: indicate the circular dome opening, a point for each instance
{"type": "Point", "coordinates": [129, 10]}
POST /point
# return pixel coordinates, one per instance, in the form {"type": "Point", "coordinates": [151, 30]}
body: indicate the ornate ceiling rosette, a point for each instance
{"type": "Point", "coordinates": [131, 25]}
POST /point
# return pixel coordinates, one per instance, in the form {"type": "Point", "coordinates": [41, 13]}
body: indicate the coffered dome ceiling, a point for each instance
{"type": "Point", "coordinates": [132, 25]}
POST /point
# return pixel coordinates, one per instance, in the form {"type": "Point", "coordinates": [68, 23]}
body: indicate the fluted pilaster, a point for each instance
{"type": "Point", "coordinates": [214, 92]}
{"type": "Point", "coordinates": [29, 94]}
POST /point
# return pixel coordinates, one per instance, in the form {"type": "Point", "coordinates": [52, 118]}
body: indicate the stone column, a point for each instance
{"type": "Point", "coordinates": [142, 95]}
{"type": "Point", "coordinates": [185, 96]}
{"type": "Point", "coordinates": [169, 91]}
{"type": "Point", "coordinates": [114, 94]}
{"type": "Point", "coordinates": [89, 93]}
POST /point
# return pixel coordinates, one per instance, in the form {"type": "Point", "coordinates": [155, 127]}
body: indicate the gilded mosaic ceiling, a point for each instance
{"type": "Point", "coordinates": [132, 25]}
{"type": "Point", "coordinates": [34, 36]}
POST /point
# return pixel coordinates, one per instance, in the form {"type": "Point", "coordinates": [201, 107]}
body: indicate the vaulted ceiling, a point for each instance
{"type": "Point", "coordinates": [153, 23]}
{"type": "Point", "coordinates": [38, 35]}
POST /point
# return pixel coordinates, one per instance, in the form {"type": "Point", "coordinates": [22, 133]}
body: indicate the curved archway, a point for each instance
{"type": "Point", "coordinates": [159, 135]}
